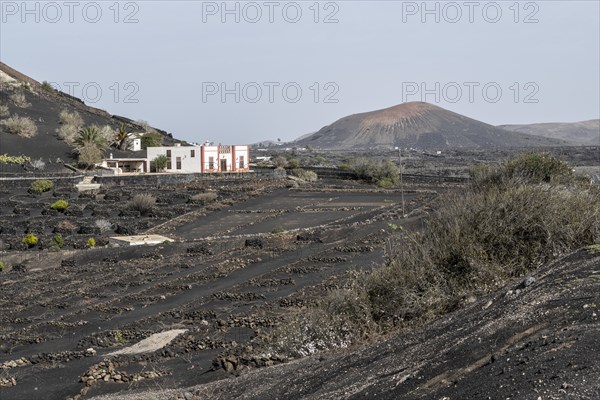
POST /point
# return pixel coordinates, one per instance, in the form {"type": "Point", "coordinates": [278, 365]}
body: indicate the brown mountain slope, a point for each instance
{"type": "Point", "coordinates": [44, 110]}
{"type": "Point", "coordinates": [419, 125]}
{"type": "Point", "coordinates": [584, 133]}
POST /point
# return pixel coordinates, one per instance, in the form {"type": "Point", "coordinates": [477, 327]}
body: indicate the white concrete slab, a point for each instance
{"type": "Point", "coordinates": [138, 240]}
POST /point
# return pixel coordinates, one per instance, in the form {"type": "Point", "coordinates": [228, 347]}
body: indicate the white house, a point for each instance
{"type": "Point", "coordinates": [126, 165]}
{"type": "Point", "coordinates": [182, 159]}
{"type": "Point", "coordinates": [187, 159]}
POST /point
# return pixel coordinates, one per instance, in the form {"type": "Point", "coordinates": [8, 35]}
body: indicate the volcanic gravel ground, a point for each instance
{"type": "Point", "coordinates": [226, 278]}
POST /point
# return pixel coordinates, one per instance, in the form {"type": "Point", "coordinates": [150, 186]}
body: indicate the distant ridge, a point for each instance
{"type": "Point", "coordinates": [418, 125]}
{"type": "Point", "coordinates": [583, 133]}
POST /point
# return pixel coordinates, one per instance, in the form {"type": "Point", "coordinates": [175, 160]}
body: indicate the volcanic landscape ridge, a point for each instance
{"type": "Point", "coordinates": [417, 125]}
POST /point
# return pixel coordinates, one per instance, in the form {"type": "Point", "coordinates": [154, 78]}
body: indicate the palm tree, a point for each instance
{"type": "Point", "coordinates": [122, 137]}
{"type": "Point", "coordinates": [91, 136]}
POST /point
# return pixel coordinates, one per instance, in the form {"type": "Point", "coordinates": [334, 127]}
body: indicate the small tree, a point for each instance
{"type": "Point", "coordinates": [160, 162]}
{"type": "Point", "coordinates": [88, 155]}
{"type": "Point", "coordinates": [151, 139]}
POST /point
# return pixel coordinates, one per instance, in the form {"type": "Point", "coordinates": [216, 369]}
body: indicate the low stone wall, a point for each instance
{"type": "Point", "coordinates": [167, 179]}
{"type": "Point", "coordinates": [24, 182]}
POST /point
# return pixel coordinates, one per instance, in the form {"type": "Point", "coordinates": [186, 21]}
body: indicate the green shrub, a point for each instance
{"type": "Point", "coordinates": [42, 185]}
{"type": "Point", "coordinates": [91, 242]}
{"type": "Point", "coordinates": [60, 205]}
{"type": "Point", "coordinates": [160, 162]}
{"type": "Point", "coordinates": [384, 174]}
{"type": "Point", "coordinates": [308, 176]}
{"type": "Point", "coordinates": [30, 240]}
{"type": "Point", "coordinates": [119, 338]}
{"type": "Point", "coordinates": [151, 139]}
{"type": "Point", "coordinates": [293, 163]}
{"type": "Point", "coordinates": [2, 265]}
{"type": "Point", "coordinates": [58, 240]}
{"type": "Point", "coordinates": [278, 230]}
{"type": "Point", "coordinates": [16, 160]}
{"type": "Point", "coordinates": [527, 169]}
{"type": "Point", "coordinates": [47, 87]}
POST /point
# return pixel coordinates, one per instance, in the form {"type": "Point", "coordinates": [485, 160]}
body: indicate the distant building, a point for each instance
{"type": "Point", "coordinates": [186, 159]}
{"type": "Point", "coordinates": [229, 158]}
{"type": "Point", "coordinates": [125, 165]}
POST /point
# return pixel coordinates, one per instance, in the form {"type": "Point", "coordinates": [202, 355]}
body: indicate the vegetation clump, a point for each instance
{"type": "Point", "coordinates": [21, 126]}
{"type": "Point", "coordinates": [151, 139]}
{"type": "Point", "coordinates": [60, 205]}
{"type": "Point", "coordinates": [58, 240]}
{"type": "Point", "coordinates": [160, 162]}
{"type": "Point", "coordinates": [143, 203]}
{"type": "Point", "coordinates": [19, 100]}
{"type": "Point", "coordinates": [30, 240]}
{"type": "Point", "coordinates": [508, 222]}
{"type": "Point", "coordinates": [91, 242]}
{"type": "Point", "coordinates": [308, 176]}
{"type": "Point", "coordinates": [15, 160]}
{"type": "Point", "coordinates": [70, 125]}
{"type": "Point", "coordinates": [382, 173]}
{"type": "Point", "coordinates": [4, 111]}
{"type": "Point", "coordinates": [41, 186]}
{"type": "Point", "coordinates": [203, 198]}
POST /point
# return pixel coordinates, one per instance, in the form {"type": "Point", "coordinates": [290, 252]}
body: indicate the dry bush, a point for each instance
{"type": "Point", "coordinates": [280, 161]}
{"type": "Point", "coordinates": [341, 320]}
{"type": "Point", "coordinates": [142, 202]}
{"type": "Point", "coordinates": [71, 123]}
{"type": "Point", "coordinates": [66, 226]}
{"type": "Point", "coordinates": [22, 126]}
{"type": "Point", "coordinates": [70, 118]}
{"type": "Point", "coordinates": [203, 198]}
{"type": "Point", "coordinates": [19, 100]}
{"type": "Point", "coordinates": [107, 133]}
{"type": "Point", "coordinates": [38, 165]}
{"type": "Point", "coordinates": [4, 111]}
{"type": "Point", "coordinates": [497, 229]}
{"type": "Point", "coordinates": [68, 133]}
{"type": "Point", "coordinates": [477, 242]}
{"type": "Point", "coordinates": [103, 225]}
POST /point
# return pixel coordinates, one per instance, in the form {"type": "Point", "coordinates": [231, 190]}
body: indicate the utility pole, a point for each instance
{"type": "Point", "coordinates": [401, 181]}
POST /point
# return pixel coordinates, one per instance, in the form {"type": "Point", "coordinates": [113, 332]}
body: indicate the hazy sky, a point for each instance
{"type": "Point", "coordinates": [241, 72]}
